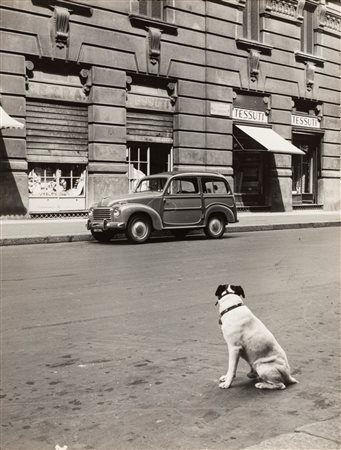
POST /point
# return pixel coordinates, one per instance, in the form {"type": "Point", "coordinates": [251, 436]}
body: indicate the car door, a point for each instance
{"type": "Point", "coordinates": [182, 203]}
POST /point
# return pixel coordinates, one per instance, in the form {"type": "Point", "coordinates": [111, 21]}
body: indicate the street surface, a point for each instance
{"type": "Point", "coordinates": [117, 347]}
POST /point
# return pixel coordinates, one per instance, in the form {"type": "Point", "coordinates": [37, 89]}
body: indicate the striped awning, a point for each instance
{"type": "Point", "coordinates": [7, 121]}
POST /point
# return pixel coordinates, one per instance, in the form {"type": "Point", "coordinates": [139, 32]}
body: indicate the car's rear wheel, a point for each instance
{"type": "Point", "coordinates": [138, 229]}
{"type": "Point", "coordinates": [103, 236]}
{"type": "Point", "coordinates": [179, 234]}
{"type": "Point", "coordinates": [215, 227]}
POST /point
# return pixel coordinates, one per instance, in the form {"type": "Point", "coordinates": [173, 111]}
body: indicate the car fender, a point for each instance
{"type": "Point", "coordinates": [227, 212]}
{"type": "Point", "coordinates": [129, 209]}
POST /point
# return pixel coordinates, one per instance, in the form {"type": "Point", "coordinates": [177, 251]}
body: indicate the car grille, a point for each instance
{"type": "Point", "coordinates": [102, 213]}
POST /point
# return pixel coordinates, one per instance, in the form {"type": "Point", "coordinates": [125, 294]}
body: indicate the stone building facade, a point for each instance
{"type": "Point", "coordinates": [108, 90]}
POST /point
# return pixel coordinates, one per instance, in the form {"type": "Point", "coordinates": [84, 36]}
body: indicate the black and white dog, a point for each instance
{"type": "Point", "coordinates": [247, 337]}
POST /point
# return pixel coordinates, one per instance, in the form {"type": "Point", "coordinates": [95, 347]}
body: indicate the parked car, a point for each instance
{"type": "Point", "coordinates": [174, 201]}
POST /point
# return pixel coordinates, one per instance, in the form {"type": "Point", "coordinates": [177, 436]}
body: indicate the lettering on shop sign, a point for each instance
{"type": "Point", "coordinates": [55, 91]}
{"type": "Point", "coordinates": [250, 115]}
{"type": "Point", "coordinates": [149, 102]}
{"type": "Point", "coordinates": [220, 109]}
{"type": "Point", "coordinates": [305, 121]}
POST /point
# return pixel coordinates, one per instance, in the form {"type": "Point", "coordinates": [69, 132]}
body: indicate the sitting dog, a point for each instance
{"type": "Point", "coordinates": [247, 337]}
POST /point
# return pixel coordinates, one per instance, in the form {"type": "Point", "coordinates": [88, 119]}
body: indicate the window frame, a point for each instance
{"type": "Point", "coordinates": [251, 20]}
{"type": "Point", "coordinates": [308, 32]}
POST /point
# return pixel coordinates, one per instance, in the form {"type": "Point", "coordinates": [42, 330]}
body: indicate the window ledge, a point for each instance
{"type": "Point", "coordinates": [146, 22]}
{"type": "Point", "coordinates": [249, 44]}
{"type": "Point", "coordinates": [307, 57]}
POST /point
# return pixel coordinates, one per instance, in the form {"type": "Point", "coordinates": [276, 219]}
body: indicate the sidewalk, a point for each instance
{"type": "Point", "coordinates": [315, 436]}
{"type": "Point", "coordinates": [42, 231]}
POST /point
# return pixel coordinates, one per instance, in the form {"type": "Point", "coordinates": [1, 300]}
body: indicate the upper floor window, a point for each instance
{"type": "Point", "coordinates": [251, 20]}
{"type": "Point", "coordinates": [307, 29]}
{"type": "Point", "coordinates": [152, 8]}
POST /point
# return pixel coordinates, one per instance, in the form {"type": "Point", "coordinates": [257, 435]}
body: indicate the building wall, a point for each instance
{"type": "Point", "coordinates": [205, 56]}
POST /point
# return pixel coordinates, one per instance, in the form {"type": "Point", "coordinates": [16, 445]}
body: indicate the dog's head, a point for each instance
{"type": "Point", "coordinates": [229, 289]}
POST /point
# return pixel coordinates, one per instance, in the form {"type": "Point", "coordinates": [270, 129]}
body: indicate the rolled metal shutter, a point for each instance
{"type": "Point", "coordinates": [56, 132]}
{"type": "Point", "coordinates": [144, 126]}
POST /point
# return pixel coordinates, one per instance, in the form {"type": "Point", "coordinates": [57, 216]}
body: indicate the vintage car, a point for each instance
{"type": "Point", "coordinates": [174, 201]}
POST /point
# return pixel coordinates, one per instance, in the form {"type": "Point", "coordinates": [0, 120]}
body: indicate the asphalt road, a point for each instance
{"type": "Point", "coordinates": [115, 346]}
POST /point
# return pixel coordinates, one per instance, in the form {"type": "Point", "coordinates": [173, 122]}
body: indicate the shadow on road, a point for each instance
{"type": "Point", "coordinates": [122, 240]}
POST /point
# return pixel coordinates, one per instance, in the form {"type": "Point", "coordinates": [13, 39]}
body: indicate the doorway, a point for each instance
{"type": "Point", "coordinates": [305, 169]}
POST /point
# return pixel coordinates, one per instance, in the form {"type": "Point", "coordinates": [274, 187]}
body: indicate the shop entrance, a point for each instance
{"type": "Point", "coordinates": [249, 177]}
{"type": "Point", "coordinates": [305, 170]}
{"type": "Point", "coordinates": [147, 159]}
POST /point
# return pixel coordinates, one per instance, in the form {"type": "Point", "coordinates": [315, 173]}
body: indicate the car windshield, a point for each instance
{"type": "Point", "coordinates": [151, 185]}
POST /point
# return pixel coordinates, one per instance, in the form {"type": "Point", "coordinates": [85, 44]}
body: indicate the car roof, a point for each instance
{"type": "Point", "coordinates": [185, 173]}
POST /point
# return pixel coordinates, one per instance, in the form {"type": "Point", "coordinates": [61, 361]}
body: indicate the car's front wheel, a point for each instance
{"type": "Point", "coordinates": [138, 229]}
{"type": "Point", "coordinates": [215, 227]}
{"type": "Point", "coordinates": [103, 236]}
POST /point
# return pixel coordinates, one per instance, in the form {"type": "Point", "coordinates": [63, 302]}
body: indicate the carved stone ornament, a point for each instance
{"type": "Point", "coordinates": [29, 66]}
{"type": "Point", "coordinates": [310, 75]}
{"type": "Point", "coordinates": [254, 56]}
{"type": "Point", "coordinates": [172, 92]}
{"type": "Point", "coordinates": [292, 9]}
{"type": "Point", "coordinates": [86, 79]}
{"type": "Point", "coordinates": [154, 39]}
{"type": "Point", "coordinates": [61, 28]}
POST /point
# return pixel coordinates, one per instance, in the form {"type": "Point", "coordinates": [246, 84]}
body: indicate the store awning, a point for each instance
{"type": "Point", "coordinates": [271, 140]}
{"type": "Point", "coordinates": [7, 121]}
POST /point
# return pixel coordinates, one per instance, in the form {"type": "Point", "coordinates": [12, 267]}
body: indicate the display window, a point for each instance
{"type": "Point", "coordinates": [56, 186]}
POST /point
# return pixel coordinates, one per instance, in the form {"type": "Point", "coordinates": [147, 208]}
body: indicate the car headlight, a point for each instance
{"type": "Point", "coordinates": [91, 213]}
{"type": "Point", "coordinates": [116, 211]}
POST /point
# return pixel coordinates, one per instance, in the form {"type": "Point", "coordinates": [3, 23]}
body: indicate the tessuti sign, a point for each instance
{"type": "Point", "coordinates": [305, 121]}
{"type": "Point", "coordinates": [249, 115]}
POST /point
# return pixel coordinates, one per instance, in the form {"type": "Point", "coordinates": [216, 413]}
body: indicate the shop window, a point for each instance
{"type": "Point", "coordinates": [56, 180]}
{"type": "Point", "coordinates": [152, 8]}
{"type": "Point", "coordinates": [251, 20]}
{"type": "Point", "coordinates": [307, 29]}
{"type": "Point", "coordinates": [147, 159]}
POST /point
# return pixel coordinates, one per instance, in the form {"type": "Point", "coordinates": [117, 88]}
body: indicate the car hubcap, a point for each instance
{"type": "Point", "coordinates": [215, 226]}
{"type": "Point", "coordinates": [139, 230]}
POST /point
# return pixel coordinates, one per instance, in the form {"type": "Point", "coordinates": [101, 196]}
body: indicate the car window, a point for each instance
{"type": "Point", "coordinates": [214, 186]}
{"type": "Point", "coordinates": [183, 186]}
{"type": "Point", "coordinates": [151, 184]}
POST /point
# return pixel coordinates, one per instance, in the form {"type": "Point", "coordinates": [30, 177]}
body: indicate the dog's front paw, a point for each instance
{"type": "Point", "coordinates": [224, 385]}
{"type": "Point", "coordinates": [222, 379]}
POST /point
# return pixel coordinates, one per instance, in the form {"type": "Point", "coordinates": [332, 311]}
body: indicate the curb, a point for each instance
{"type": "Point", "coordinates": [57, 239]}
{"type": "Point", "coordinates": [5, 242]}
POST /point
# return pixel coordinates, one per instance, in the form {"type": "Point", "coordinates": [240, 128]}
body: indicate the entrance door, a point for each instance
{"type": "Point", "coordinates": [249, 177]}
{"type": "Point", "coordinates": [147, 159]}
{"type": "Point", "coordinates": [304, 170]}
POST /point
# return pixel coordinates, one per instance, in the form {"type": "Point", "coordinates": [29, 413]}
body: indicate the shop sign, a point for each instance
{"type": "Point", "coordinates": [220, 109]}
{"type": "Point", "coordinates": [149, 102]}
{"type": "Point", "coordinates": [305, 121]}
{"type": "Point", "coordinates": [249, 115]}
{"type": "Point", "coordinates": [56, 91]}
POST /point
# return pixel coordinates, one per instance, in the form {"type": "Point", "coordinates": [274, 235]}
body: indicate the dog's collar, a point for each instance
{"type": "Point", "coordinates": [229, 309]}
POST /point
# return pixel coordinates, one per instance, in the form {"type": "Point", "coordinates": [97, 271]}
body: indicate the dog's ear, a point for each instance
{"type": "Point", "coordinates": [220, 289]}
{"type": "Point", "coordinates": [238, 290]}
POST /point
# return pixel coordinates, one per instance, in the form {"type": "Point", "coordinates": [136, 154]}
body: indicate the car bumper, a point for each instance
{"type": "Point", "coordinates": [104, 225]}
